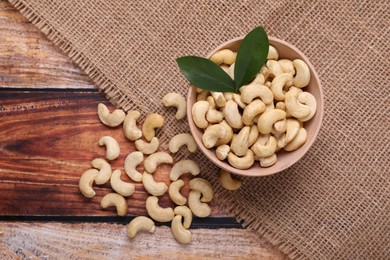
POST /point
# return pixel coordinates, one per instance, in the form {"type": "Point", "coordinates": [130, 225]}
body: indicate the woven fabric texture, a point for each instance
{"type": "Point", "coordinates": [332, 204]}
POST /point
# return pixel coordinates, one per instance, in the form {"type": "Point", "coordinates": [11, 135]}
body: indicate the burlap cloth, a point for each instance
{"type": "Point", "coordinates": [335, 202]}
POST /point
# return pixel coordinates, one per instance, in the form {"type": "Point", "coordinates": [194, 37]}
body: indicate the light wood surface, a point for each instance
{"type": "Point", "coordinates": [49, 131]}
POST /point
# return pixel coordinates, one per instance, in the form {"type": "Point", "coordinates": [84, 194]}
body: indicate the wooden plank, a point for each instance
{"type": "Point", "coordinates": [48, 139]}
{"type": "Point", "coordinates": [28, 59]}
{"type": "Point", "coordinates": [109, 241]}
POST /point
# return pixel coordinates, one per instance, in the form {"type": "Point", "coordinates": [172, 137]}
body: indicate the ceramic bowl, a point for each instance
{"type": "Point", "coordinates": [285, 159]}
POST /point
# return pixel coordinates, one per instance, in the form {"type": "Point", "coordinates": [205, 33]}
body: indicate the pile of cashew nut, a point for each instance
{"type": "Point", "coordinates": [266, 116]}
{"type": "Point", "coordinates": [149, 156]}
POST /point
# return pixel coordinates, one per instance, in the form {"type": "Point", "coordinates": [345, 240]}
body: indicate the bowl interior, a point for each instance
{"type": "Point", "coordinates": [285, 159]}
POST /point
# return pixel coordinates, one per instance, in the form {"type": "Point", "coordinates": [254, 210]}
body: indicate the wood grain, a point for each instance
{"type": "Point", "coordinates": [48, 141]}
{"type": "Point", "coordinates": [109, 241]}
{"type": "Point", "coordinates": [28, 59]}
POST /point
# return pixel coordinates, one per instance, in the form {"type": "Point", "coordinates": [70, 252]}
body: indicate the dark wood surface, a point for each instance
{"type": "Point", "coordinates": [49, 131]}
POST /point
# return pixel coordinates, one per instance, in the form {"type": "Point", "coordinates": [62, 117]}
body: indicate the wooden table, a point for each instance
{"type": "Point", "coordinates": [49, 132]}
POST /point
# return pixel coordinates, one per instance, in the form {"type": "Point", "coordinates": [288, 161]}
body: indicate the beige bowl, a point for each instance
{"type": "Point", "coordinates": [285, 159]}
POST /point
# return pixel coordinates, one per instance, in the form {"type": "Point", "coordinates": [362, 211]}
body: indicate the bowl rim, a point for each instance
{"type": "Point", "coordinates": [267, 170]}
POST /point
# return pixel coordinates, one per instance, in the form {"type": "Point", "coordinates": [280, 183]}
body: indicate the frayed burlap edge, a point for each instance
{"type": "Point", "coordinates": [117, 98]}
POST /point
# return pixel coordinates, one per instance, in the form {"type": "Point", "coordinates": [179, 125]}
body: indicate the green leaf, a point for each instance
{"type": "Point", "coordinates": [205, 74]}
{"type": "Point", "coordinates": [251, 56]}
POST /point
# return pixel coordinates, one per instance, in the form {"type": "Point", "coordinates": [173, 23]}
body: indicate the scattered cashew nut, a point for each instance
{"type": "Point", "coordinates": [152, 187]}
{"type": "Point", "coordinates": [152, 122]}
{"type": "Point", "coordinates": [174, 192]}
{"type": "Point", "coordinates": [147, 148]}
{"type": "Point", "coordinates": [156, 212]}
{"type": "Point", "coordinates": [140, 224]}
{"type": "Point", "coordinates": [155, 159]}
{"type": "Point", "coordinates": [197, 207]}
{"type": "Point", "coordinates": [180, 140]}
{"type": "Point", "coordinates": [186, 213]}
{"type": "Point", "coordinates": [131, 162]}
{"type": "Point", "coordinates": [114, 199]}
{"type": "Point", "coordinates": [130, 129]}
{"type": "Point", "coordinates": [86, 181]}
{"type": "Point", "coordinates": [181, 234]}
{"type": "Point", "coordinates": [178, 101]}
{"type": "Point", "coordinates": [204, 187]}
{"type": "Point", "coordinates": [110, 119]}
{"type": "Point", "coordinates": [112, 147]}
{"type": "Point", "coordinates": [184, 166]}
{"type": "Point", "coordinates": [123, 188]}
{"type": "Point", "coordinates": [227, 181]}
{"type": "Point", "coordinates": [104, 168]}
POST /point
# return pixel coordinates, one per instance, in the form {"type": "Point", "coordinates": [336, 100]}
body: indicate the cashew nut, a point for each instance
{"type": "Point", "coordinates": [281, 80]}
{"type": "Point", "coordinates": [182, 167]}
{"type": "Point", "coordinates": [198, 90]}
{"type": "Point", "coordinates": [211, 101]}
{"type": "Point", "coordinates": [293, 106]}
{"type": "Point", "coordinates": [197, 207]}
{"type": "Point", "coordinates": [151, 122]}
{"type": "Point", "coordinates": [147, 148]}
{"type": "Point", "coordinates": [224, 56]}
{"type": "Point", "coordinates": [186, 213]}
{"type": "Point", "coordinates": [287, 66]}
{"type": "Point", "coordinates": [265, 146]}
{"type": "Point", "coordinates": [226, 180]}
{"type": "Point", "coordinates": [199, 110]}
{"type": "Point", "coordinates": [139, 224]}
{"type": "Point", "coordinates": [228, 95]}
{"type": "Point", "coordinates": [241, 163]}
{"type": "Point", "coordinates": [309, 100]}
{"type": "Point", "coordinates": [281, 126]}
{"type": "Point", "coordinates": [180, 140]}
{"type": "Point", "coordinates": [154, 188]}
{"type": "Point", "coordinates": [265, 72]}
{"type": "Point", "coordinates": [178, 101]}
{"type": "Point", "coordinates": [110, 119]}
{"type": "Point", "coordinates": [130, 128]}
{"type": "Point", "coordinates": [281, 106]}
{"type": "Point", "coordinates": [239, 145]}
{"type": "Point", "coordinates": [292, 129]}
{"type": "Point", "coordinates": [229, 134]}
{"type": "Point", "coordinates": [232, 115]}
{"type": "Point", "coordinates": [222, 151]}
{"type": "Point", "coordinates": [274, 68]}
{"type": "Point", "coordinates": [214, 116]}
{"type": "Point", "coordinates": [114, 199]}
{"type": "Point", "coordinates": [203, 96]}
{"type": "Point", "coordinates": [253, 90]}
{"type": "Point", "coordinates": [230, 71]}
{"type": "Point", "coordinates": [104, 168]}
{"type": "Point", "coordinates": [86, 181]}
{"type": "Point", "coordinates": [281, 142]}
{"type": "Point", "coordinates": [253, 135]}
{"type": "Point", "coordinates": [259, 79]}
{"type": "Point", "coordinates": [254, 108]}
{"type": "Point", "coordinates": [151, 163]}
{"type": "Point", "coordinates": [237, 99]}
{"type": "Point", "coordinates": [123, 188]}
{"type": "Point", "coordinates": [268, 161]}
{"type": "Point", "coordinates": [268, 119]}
{"type": "Point", "coordinates": [204, 187]}
{"type": "Point", "coordinates": [174, 192]}
{"type": "Point", "coordinates": [156, 212]}
{"type": "Point", "coordinates": [212, 134]}
{"type": "Point", "coordinates": [302, 76]}
{"type": "Point", "coordinates": [181, 234]}
{"type": "Point", "coordinates": [272, 53]}
{"type": "Point", "coordinates": [112, 147]}
{"type": "Point", "coordinates": [298, 141]}
{"type": "Point", "coordinates": [219, 98]}
{"type": "Point", "coordinates": [224, 67]}
{"type": "Point", "coordinates": [131, 162]}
